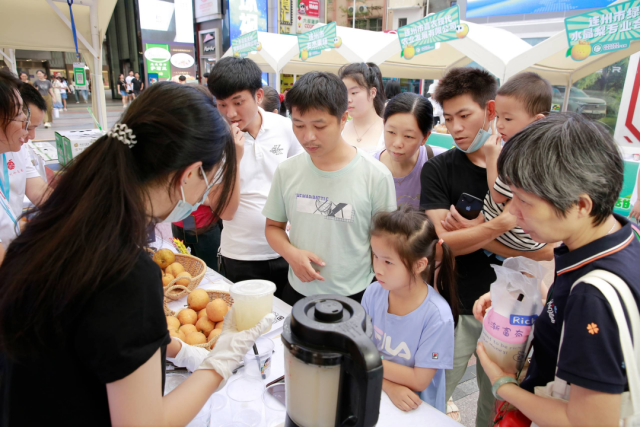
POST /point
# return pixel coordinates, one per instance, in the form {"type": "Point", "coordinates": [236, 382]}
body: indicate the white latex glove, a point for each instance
{"type": "Point", "coordinates": [232, 345]}
{"type": "Point", "coordinates": [189, 357]}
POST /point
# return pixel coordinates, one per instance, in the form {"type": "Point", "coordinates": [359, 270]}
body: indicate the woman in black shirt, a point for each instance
{"type": "Point", "coordinates": [82, 325]}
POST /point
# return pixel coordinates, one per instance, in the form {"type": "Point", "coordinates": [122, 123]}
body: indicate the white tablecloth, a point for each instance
{"type": "Point", "coordinates": [389, 414]}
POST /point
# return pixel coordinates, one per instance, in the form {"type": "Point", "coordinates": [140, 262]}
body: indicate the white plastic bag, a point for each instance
{"type": "Point", "coordinates": [56, 113]}
{"type": "Point", "coordinates": [515, 305]}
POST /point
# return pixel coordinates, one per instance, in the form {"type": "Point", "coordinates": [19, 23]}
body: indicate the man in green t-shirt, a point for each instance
{"type": "Point", "coordinates": [329, 195]}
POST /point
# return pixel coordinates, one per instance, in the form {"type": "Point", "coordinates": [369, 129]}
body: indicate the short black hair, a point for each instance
{"type": "Point", "coordinates": [531, 90]}
{"type": "Point", "coordinates": [131, 71]}
{"type": "Point", "coordinates": [412, 103]}
{"type": "Point", "coordinates": [23, 72]}
{"type": "Point", "coordinates": [205, 75]}
{"type": "Point", "coordinates": [480, 84]}
{"type": "Point", "coordinates": [561, 157]}
{"type": "Point", "coordinates": [392, 88]}
{"type": "Point", "coordinates": [318, 90]}
{"type": "Point", "coordinates": [30, 95]}
{"type": "Point", "coordinates": [271, 99]}
{"type": "Point", "coordinates": [232, 75]}
{"type": "Point", "coordinates": [182, 78]}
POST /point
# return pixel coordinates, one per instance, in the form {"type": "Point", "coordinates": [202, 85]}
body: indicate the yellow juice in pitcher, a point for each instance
{"type": "Point", "coordinates": [252, 300]}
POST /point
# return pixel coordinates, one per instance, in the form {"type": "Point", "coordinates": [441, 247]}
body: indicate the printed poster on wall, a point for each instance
{"type": "Point", "coordinates": [157, 57]}
{"type": "Point", "coordinates": [603, 30]}
{"type": "Point", "coordinates": [307, 14]}
{"type": "Point", "coordinates": [421, 36]}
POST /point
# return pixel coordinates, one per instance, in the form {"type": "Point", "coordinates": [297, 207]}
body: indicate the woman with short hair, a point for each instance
{"type": "Point", "coordinates": [566, 173]}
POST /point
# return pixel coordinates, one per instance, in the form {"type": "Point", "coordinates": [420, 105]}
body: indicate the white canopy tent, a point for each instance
{"type": "Point", "coordinates": [549, 59]}
{"type": "Point", "coordinates": [490, 47]}
{"type": "Point", "coordinates": [280, 52]}
{"type": "Point", "coordinates": [45, 25]}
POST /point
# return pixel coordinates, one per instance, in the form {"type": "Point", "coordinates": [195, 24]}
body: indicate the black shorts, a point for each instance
{"type": "Point", "coordinates": [136, 92]}
{"type": "Point", "coordinates": [130, 92]}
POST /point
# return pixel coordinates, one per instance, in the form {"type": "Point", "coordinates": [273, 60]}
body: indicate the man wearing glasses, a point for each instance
{"type": "Point", "coordinates": [18, 177]}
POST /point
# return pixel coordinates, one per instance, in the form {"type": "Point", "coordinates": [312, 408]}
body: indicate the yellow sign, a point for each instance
{"type": "Point", "coordinates": [286, 16]}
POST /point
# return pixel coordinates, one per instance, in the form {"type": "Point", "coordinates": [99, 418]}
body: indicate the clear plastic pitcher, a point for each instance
{"type": "Point", "coordinates": [252, 300]}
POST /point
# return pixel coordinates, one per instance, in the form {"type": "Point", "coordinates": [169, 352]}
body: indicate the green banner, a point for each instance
{"type": "Point", "coordinates": [421, 36]}
{"type": "Point", "coordinates": [80, 75]}
{"type": "Point", "coordinates": [313, 42]}
{"type": "Point", "coordinates": [603, 30]}
{"type": "Point", "coordinates": [158, 56]}
{"type": "Point", "coordinates": [623, 205]}
{"type": "Point", "coordinates": [246, 43]}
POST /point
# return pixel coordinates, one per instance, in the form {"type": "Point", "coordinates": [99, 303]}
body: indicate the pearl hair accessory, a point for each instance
{"type": "Point", "coordinates": [122, 132]}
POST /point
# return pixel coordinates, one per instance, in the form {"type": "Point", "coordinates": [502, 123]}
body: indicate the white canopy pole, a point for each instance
{"type": "Point", "coordinates": [565, 103]}
{"type": "Point", "coordinates": [68, 23]}
{"type": "Point", "coordinates": [10, 57]}
{"type": "Point", "coordinates": [98, 85]}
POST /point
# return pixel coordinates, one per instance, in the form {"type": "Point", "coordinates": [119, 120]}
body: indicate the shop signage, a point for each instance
{"type": "Point", "coordinates": [206, 8]}
{"type": "Point", "coordinates": [421, 36]}
{"type": "Point", "coordinates": [286, 16]}
{"type": "Point", "coordinates": [80, 75]}
{"type": "Point", "coordinates": [307, 15]}
{"type": "Point", "coordinates": [209, 43]}
{"type": "Point", "coordinates": [245, 43]}
{"type": "Point", "coordinates": [247, 16]}
{"type": "Point", "coordinates": [157, 58]}
{"type": "Point", "coordinates": [313, 42]}
{"type": "Point", "coordinates": [603, 30]}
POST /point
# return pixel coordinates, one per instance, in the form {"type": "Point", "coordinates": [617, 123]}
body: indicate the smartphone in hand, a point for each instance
{"type": "Point", "coordinates": [469, 206]}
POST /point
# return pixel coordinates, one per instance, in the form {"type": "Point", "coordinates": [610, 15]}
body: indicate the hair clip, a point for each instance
{"type": "Point", "coordinates": [122, 132]}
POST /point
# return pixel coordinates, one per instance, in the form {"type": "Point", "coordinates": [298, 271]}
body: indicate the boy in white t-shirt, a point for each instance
{"type": "Point", "coordinates": [269, 140]}
{"type": "Point", "coordinates": [23, 179]}
{"type": "Point", "coordinates": [329, 195]}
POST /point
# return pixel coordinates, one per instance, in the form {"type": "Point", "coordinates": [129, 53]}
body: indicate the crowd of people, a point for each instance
{"type": "Point", "coordinates": [343, 196]}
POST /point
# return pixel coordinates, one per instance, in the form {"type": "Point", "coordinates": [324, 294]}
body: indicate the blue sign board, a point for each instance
{"type": "Point", "coordinates": [486, 8]}
{"type": "Point", "coordinates": [246, 16]}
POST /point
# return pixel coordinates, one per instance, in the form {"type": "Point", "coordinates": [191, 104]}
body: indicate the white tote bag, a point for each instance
{"type": "Point", "coordinates": [606, 282]}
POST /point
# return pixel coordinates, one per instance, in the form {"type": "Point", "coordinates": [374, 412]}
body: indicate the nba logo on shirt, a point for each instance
{"type": "Point", "coordinates": [434, 356]}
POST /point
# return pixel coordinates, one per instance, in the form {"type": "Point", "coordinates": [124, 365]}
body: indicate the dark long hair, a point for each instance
{"type": "Point", "coordinates": [412, 103]}
{"type": "Point", "coordinates": [368, 76]}
{"type": "Point", "coordinates": [413, 237]}
{"type": "Point", "coordinates": [91, 230]}
{"type": "Point", "coordinates": [9, 98]}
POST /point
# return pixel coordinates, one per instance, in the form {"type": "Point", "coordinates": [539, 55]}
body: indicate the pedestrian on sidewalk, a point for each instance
{"type": "Point", "coordinates": [45, 88]}
{"type": "Point", "coordinates": [138, 85]}
{"type": "Point", "coordinates": [129, 81]}
{"type": "Point", "coordinates": [64, 89]}
{"type": "Point", "coordinates": [24, 77]}
{"type": "Point", "coordinates": [122, 88]}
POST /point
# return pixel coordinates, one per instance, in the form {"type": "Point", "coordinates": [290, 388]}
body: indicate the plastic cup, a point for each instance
{"type": "Point", "coordinates": [252, 300]}
{"type": "Point", "coordinates": [274, 409]}
{"type": "Point", "coordinates": [220, 412]}
{"type": "Point", "coordinates": [260, 364]}
{"type": "Point", "coordinates": [245, 396]}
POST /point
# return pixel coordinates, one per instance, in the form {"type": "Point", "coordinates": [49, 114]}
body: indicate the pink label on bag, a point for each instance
{"type": "Point", "coordinates": [500, 327]}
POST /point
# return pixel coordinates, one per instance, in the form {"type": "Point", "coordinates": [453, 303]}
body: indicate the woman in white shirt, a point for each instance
{"type": "Point", "coordinates": [13, 133]}
{"type": "Point", "coordinates": [366, 106]}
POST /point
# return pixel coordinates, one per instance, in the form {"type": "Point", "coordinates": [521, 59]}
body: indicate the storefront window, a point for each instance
{"type": "Point", "coordinates": [361, 24]}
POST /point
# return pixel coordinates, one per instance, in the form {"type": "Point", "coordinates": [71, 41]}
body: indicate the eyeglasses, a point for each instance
{"type": "Point", "coordinates": [27, 121]}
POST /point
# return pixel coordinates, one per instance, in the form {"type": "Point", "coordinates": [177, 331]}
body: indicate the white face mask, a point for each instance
{"type": "Point", "coordinates": [183, 208]}
{"type": "Point", "coordinates": [481, 137]}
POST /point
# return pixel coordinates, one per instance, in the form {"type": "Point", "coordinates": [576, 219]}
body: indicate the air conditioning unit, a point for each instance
{"type": "Point", "coordinates": [362, 9]}
{"type": "Point", "coordinates": [350, 10]}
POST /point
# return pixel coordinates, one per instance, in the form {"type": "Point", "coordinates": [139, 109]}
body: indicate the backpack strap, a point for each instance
{"type": "Point", "coordinates": [430, 154]}
{"type": "Point", "coordinates": [608, 283]}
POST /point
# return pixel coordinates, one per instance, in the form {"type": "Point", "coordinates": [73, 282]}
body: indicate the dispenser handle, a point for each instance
{"type": "Point", "coordinates": [361, 406]}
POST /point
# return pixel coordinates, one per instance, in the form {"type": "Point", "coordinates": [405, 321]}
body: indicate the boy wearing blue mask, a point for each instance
{"type": "Point", "coordinates": [467, 97]}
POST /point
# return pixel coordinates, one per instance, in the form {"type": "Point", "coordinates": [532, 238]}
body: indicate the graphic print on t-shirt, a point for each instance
{"type": "Point", "coordinates": [320, 205]}
{"type": "Point", "coordinates": [383, 342]}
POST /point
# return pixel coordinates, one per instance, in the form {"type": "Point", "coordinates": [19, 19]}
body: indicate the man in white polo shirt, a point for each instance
{"type": "Point", "coordinates": [19, 177]}
{"type": "Point", "coordinates": [269, 140]}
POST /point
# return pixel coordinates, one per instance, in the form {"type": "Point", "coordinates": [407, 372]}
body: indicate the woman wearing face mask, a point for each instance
{"type": "Point", "coordinates": [81, 299]}
{"type": "Point", "coordinates": [13, 133]}
{"type": "Point", "coordinates": [366, 106]}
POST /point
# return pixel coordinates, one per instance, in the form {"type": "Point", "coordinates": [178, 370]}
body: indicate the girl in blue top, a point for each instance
{"type": "Point", "coordinates": [413, 323]}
